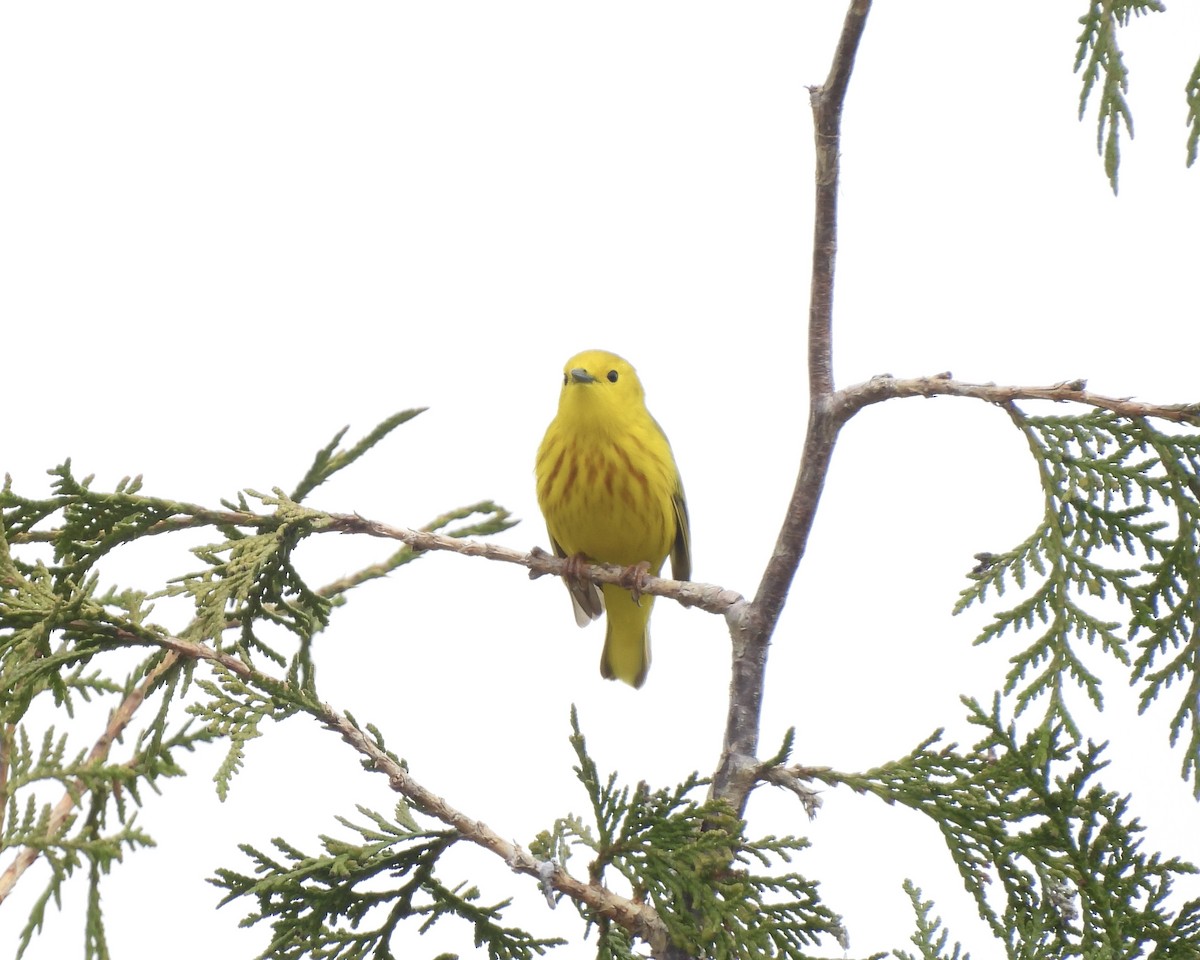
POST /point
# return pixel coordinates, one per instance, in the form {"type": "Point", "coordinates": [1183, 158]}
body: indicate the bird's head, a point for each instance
{"type": "Point", "coordinates": [599, 381]}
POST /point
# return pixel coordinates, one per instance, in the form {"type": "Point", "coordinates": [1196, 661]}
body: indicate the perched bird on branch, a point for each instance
{"type": "Point", "coordinates": [609, 489]}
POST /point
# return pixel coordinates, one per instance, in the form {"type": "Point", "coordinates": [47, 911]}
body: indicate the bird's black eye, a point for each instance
{"type": "Point", "coordinates": [565, 379]}
{"type": "Point", "coordinates": [612, 376]}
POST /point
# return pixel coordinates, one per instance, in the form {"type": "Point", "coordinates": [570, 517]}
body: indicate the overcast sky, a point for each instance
{"type": "Point", "coordinates": [229, 229]}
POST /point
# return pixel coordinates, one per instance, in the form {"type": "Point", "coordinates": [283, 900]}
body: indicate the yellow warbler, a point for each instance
{"type": "Point", "coordinates": [610, 492]}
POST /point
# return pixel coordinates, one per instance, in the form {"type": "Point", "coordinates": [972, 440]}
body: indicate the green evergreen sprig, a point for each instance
{"type": "Point", "coordinates": [235, 711]}
{"type": "Point", "coordinates": [82, 842]}
{"type": "Point", "coordinates": [1120, 522]}
{"type": "Point", "coordinates": [1192, 92]}
{"type": "Point", "coordinates": [931, 937]}
{"type": "Point", "coordinates": [1028, 826]}
{"type": "Point", "coordinates": [329, 459]}
{"type": "Point", "coordinates": [1100, 58]}
{"type": "Point", "coordinates": [348, 902]}
{"type": "Point", "coordinates": [251, 579]}
{"type": "Point", "coordinates": [50, 628]}
{"type": "Point", "coordinates": [693, 863]}
{"type": "Point", "coordinates": [58, 625]}
{"type": "Point", "coordinates": [96, 850]}
{"type": "Point", "coordinates": [110, 790]}
{"type": "Point", "coordinates": [94, 523]}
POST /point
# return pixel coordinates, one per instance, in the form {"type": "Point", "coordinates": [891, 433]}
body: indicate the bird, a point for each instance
{"type": "Point", "coordinates": [610, 492]}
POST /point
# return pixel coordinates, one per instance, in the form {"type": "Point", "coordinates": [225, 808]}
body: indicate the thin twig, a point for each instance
{"type": "Point", "coordinates": [786, 777]}
{"type": "Point", "coordinates": [851, 399]}
{"type": "Point", "coordinates": [188, 516]}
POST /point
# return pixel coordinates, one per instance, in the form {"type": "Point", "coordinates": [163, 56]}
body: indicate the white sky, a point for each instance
{"type": "Point", "coordinates": [228, 229]}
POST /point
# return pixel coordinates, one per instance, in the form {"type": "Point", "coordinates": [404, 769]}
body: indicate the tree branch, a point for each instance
{"type": "Point", "coordinates": [827, 101]}
{"type": "Point", "coordinates": [751, 623]}
{"type": "Point", "coordinates": [639, 919]}
{"type": "Point", "coordinates": [851, 399]}
{"type": "Point", "coordinates": [706, 596]}
{"type": "Point", "coordinates": [751, 632]}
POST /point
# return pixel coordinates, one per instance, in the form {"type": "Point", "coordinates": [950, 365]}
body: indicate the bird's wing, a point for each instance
{"type": "Point", "coordinates": [681, 549]}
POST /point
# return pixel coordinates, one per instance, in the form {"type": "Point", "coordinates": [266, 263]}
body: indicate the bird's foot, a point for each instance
{"type": "Point", "coordinates": [634, 579]}
{"type": "Point", "coordinates": [573, 567]}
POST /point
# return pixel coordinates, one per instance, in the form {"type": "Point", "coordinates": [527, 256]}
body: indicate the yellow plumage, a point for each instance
{"type": "Point", "coordinates": [609, 489]}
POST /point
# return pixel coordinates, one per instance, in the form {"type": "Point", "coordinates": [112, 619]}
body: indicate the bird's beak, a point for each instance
{"type": "Point", "coordinates": [579, 375]}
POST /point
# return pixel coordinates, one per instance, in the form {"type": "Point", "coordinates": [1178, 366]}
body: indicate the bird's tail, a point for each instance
{"type": "Point", "coordinates": [627, 644]}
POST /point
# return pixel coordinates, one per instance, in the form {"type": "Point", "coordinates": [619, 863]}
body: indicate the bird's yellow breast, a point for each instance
{"type": "Point", "coordinates": [607, 491]}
